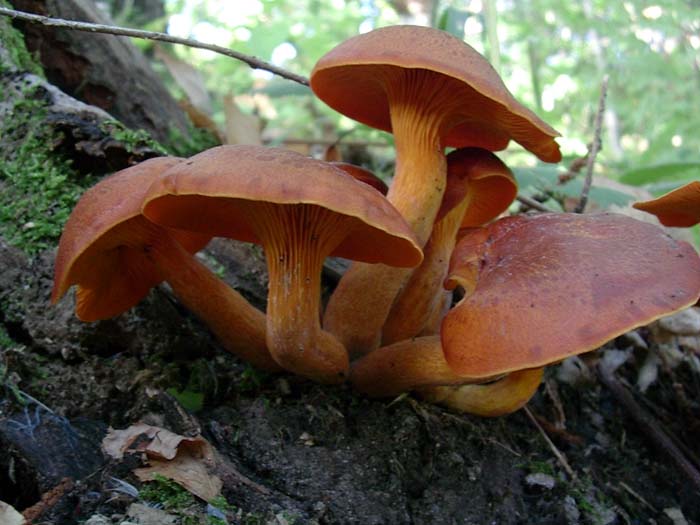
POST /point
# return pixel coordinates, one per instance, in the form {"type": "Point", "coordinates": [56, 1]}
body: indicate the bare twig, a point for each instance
{"type": "Point", "coordinates": [649, 426]}
{"type": "Point", "coordinates": [595, 147]}
{"type": "Point", "coordinates": [636, 495]}
{"type": "Point", "coordinates": [253, 62]}
{"type": "Point", "coordinates": [532, 203]}
{"type": "Point", "coordinates": [331, 142]}
{"type": "Point", "coordinates": [557, 453]}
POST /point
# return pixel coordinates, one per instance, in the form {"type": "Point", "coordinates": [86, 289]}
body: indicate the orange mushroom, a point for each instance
{"type": "Point", "coordinates": [431, 90]}
{"type": "Point", "coordinates": [538, 289]}
{"type": "Point", "coordinates": [115, 256]}
{"type": "Point", "coordinates": [301, 210]}
{"type": "Point", "coordinates": [361, 174]}
{"type": "Point", "coordinates": [479, 188]}
{"type": "Point", "coordinates": [677, 208]}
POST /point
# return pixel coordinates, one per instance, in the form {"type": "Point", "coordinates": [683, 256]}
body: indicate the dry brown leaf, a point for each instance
{"type": "Point", "coordinates": [156, 442]}
{"type": "Point", "coordinates": [200, 119]}
{"type": "Point", "coordinates": [191, 468]}
{"type": "Point", "coordinates": [189, 79]}
{"type": "Point", "coordinates": [241, 128]}
{"type": "Point", "coordinates": [188, 461]}
{"type": "Point", "coordinates": [9, 516]}
{"type": "Point", "coordinates": [332, 154]}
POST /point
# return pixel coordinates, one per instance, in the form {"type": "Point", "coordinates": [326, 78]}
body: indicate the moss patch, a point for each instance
{"type": "Point", "coordinates": [13, 43]}
{"type": "Point", "coordinates": [39, 187]}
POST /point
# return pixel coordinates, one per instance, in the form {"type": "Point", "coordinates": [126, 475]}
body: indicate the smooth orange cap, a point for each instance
{"type": "Point", "coordinates": [204, 193]}
{"type": "Point", "coordinates": [348, 79]}
{"type": "Point", "coordinates": [99, 249]}
{"type": "Point", "coordinates": [678, 208]}
{"type": "Point", "coordinates": [542, 288]}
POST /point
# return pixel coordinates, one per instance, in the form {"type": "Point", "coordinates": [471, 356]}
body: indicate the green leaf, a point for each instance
{"type": "Point", "coordinates": [192, 401]}
{"type": "Point", "coordinates": [283, 88]}
{"type": "Point", "coordinates": [545, 179]}
{"type": "Point", "coordinates": [452, 20]}
{"type": "Point", "coordinates": [676, 171]}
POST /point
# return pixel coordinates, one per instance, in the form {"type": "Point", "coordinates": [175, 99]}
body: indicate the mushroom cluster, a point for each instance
{"type": "Point", "coordinates": [534, 289]}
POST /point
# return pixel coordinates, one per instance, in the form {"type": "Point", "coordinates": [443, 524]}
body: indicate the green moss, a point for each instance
{"type": "Point", "coordinates": [38, 187]}
{"type": "Point", "coordinates": [197, 140]}
{"type": "Point", "coordinates": [6, 342]}
{"type": "Point", "coordinates": [133, 140]}
{"type": "Point", "coordinates": [13, 41]}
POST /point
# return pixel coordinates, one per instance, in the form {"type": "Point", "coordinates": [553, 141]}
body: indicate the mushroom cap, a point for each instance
{"type": "Point", "coordinates": [99, 247]}
{"type": "Point", "coordinates": [204, 194]}
{"type": "Point", "coordinates": [542, 288]}
{"type": "Point", "coordinates": [363, 175]}
{"type": "Point", "coordinates": [482, 177]}
{"type": "Point", "coordinates": [348, 79]}
{"type": "Point", "coordinates": [677, 208]}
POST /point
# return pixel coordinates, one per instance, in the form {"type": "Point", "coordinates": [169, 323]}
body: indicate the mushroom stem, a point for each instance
{"type": "Point", "coordinates": [295, 255]}
{"type": "Point", "coordinates": [418, 115]}
{"type": "Point", "coordinates": [361, 304]}
{"type": "Point", "coordinates": [404, 366]}
{"type": "Point", "coordinates": [435, 317]}
{"type": "Point", "coordinates": [423, 292]}
{"type": "Point", "coordinates": [500, 397]}
{"type": "Point", "coordinates": [238, 325]}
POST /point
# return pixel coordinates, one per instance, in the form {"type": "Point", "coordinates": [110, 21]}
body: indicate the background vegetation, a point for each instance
{"type": "Point", "coordinates": [552, 55]}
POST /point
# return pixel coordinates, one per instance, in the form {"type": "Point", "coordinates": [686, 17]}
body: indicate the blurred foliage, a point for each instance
{"type": "Point", "coordinates": [552, 55]}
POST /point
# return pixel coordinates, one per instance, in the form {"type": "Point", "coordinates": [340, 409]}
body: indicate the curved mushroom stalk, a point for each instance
{"type": "Point", "coordinates": [431, 91]}
{"type": "Point", "coordinates": [677, 208]}
{"type": "Point", "coordinates": [435, 317]}
{"type": "Point", "coordinates": [420, 365]}
{"type": "Point", "coordinates": [538, 289]}
{"type": "Point", "coordinates": [479, 188]}
{"type": "Point", "coordinates": [238, 325]}
{"type": "Point", "coordinates": [402, 367]}
{"type": "Point", "coordinates": [497, 398]}
{"type": "Point", "coordinates": [115, 256]}
{"type": "Point", "coordinates": [295, 258]}
{"type": "Point", "coordinates": [301, 210]}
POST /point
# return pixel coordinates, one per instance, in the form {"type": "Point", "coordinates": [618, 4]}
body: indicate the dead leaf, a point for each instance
{"type": "Point", "coordinates": [332, 154]}
{"type": "Point", "coordinates": [189, 79]}
{"type": "Point", "coordinates": [676, 516]}
{"type": "Point", "coordinates": [649, 372]}
{"type": "Point", "coordinates": [188, 461]}
{"type": "Point", "coordinates": [200, 119]}
{"type": "Point", "coordinates": [9, 516]}
{"type": "Point", "coordinates": [149, 516]}
{"type": "Point", "coordinates": [191, 468]}
{"type": "Point", "coordinates": [241, 128]}
{"type": "Point", "coordinates": [156, 442]}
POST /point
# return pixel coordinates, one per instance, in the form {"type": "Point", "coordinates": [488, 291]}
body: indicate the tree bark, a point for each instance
{"type": "Point", "coordinates": [104, 71]}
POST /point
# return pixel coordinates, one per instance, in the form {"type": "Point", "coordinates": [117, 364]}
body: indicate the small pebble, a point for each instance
{"type": "Point", "coordinates": [539, 479]}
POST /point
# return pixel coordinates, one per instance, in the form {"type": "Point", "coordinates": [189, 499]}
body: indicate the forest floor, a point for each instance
{"type": "Point", "coordinates": [290, 451]}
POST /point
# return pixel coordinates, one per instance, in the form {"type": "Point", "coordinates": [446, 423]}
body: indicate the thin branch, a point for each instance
{"type": "Point", "coordinates": [559, 455]}
{"type": "Point", "coordinates": [648, 426]}
{"type": "Point", "coordinates": [595, 147]}
{"type": "Point", "coordinates": [253, 62]}
{"type": "Point", "coordinates": [532, 203]}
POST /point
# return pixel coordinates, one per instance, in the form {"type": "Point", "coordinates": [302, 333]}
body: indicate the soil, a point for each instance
{"type": "Point", "coordinates": [305, 453]}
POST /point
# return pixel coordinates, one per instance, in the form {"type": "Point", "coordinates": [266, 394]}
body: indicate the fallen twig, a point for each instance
{"type": "Point", "coordinates": [532, 203]}
{"type": "Point", "coordinates": [595, 147]}
{"type": "Point", "coordinates": [253, 62]}
{"type": "Point", "coordinates": [636, 496]}
{"type": "Point", "coordinates": [48, 500]}
{"type": "Point", "coordinates": [557, 453]}
{"type": "Point", "coordinates": [649, 426]}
